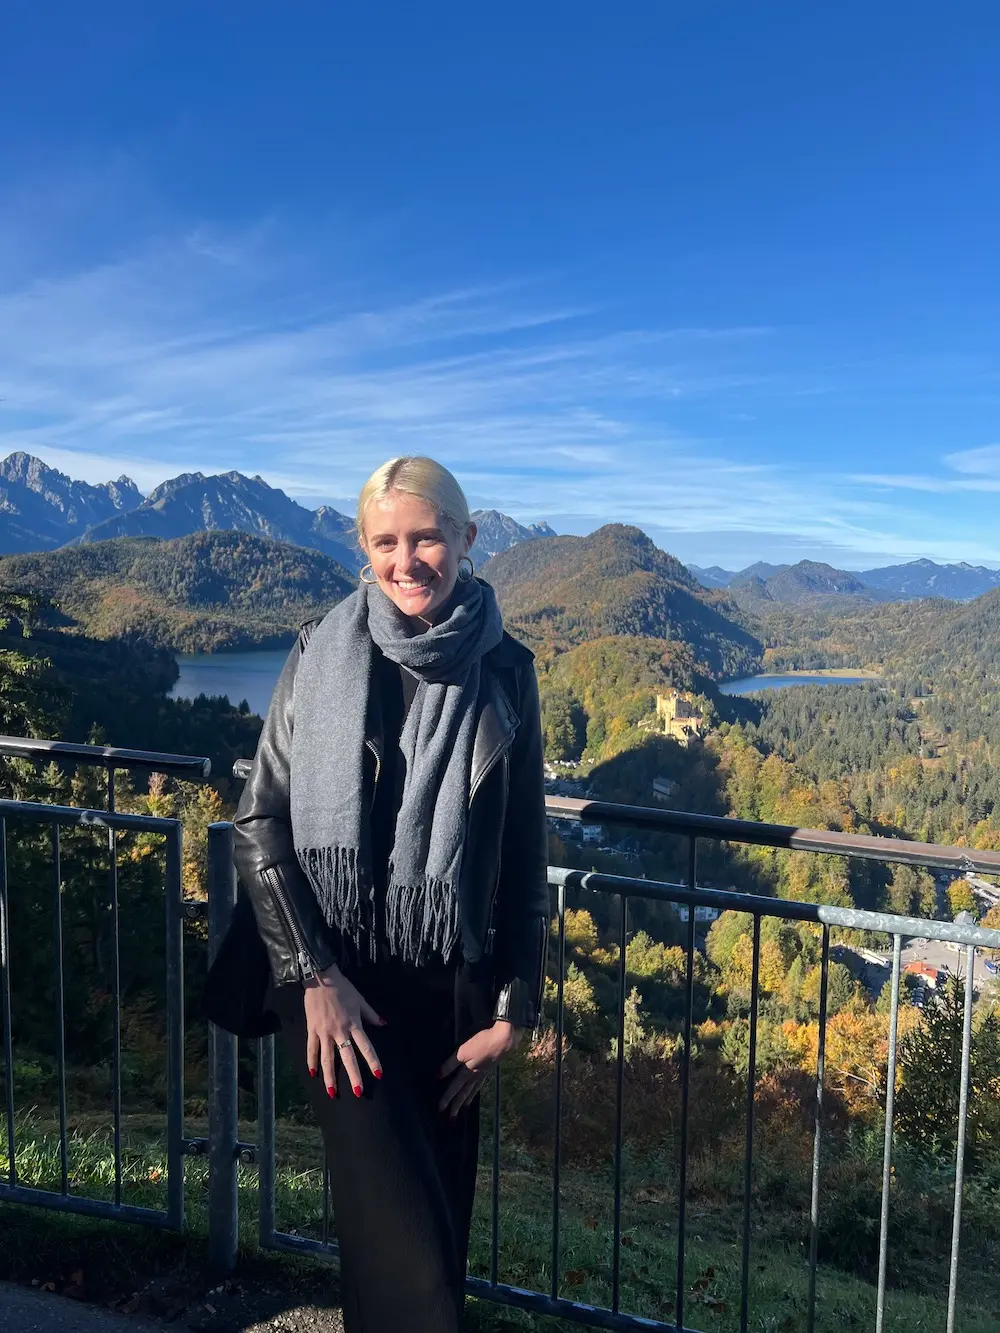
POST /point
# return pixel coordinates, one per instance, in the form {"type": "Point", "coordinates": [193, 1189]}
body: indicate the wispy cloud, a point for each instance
{"type": "Point", "coordinates": [177, 353]}
{"type": "Point", "coordinates": [210, 349]}
{"type": "Point", "coordinates": [978, 471]}
{"type": "Point", "coordinates": [982, 462]}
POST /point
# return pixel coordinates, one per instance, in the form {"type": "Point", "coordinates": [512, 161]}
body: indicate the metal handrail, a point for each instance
{"type": "Point", "coordinates": [788, 909]}
{"type": "Point", "coordinates": [724, 829]}
{"type": "Point", "coordinates": [194, 767]}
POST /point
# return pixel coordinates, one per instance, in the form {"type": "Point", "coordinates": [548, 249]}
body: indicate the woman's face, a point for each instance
{"type": "Point", "coordinates": [414, 556]}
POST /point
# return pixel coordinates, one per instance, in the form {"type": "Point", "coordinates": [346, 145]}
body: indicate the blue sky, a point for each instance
{"type": "Point", "coordinates": [727, 270]}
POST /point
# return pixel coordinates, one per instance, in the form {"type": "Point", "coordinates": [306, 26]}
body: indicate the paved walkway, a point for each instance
{"type": "Point", "coordinates": [27, 1310]}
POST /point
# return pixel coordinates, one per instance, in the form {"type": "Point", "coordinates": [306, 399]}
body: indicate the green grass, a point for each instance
{"type": "Point", "coordinates": [117, 1256]}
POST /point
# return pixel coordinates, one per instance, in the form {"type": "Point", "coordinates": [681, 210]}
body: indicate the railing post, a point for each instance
{"type": "Point", "coordinates": [223, 1133]}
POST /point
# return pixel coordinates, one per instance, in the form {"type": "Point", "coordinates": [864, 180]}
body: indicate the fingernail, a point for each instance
{"type": "Point", "coordinates": [377, 1073]}
{"type": "Point", "coordinates": [331, 1092]}
{"type": "Point", "coordinates": [358, 1089]}
{"type": "Point", "coordinates": [313, 1073]}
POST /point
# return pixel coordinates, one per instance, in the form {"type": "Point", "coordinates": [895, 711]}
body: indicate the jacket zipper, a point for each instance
{"type": "Point", "coordinates": [284, 908]}
{"type": "Point", "coordinates": [490, 932]}
{"type": "Point", "coordinates": [502, 753]}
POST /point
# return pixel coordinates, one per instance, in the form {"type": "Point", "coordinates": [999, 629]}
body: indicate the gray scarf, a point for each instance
{"type": "Point", "coordinates": [329, 812]}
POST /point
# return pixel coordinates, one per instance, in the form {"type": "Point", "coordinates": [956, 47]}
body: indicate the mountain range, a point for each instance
{"type": "Point", "coordinates": [42, 509]}
{"type": "Point", "coordinates": [498, 532]}
{"type": "Point", "coordinates": [810, 579]}
{"type": "Point", "coordinates": [194, 502]}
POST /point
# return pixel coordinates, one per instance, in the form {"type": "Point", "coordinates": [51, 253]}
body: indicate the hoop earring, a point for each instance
{"type": "Point", "coordinates": [361, 576]}
{"type": "Point", "coordinates": [472, 569]}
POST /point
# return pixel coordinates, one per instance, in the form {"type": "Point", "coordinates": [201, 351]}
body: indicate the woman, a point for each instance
{"type": "Point", "coordinates": [392, 839]}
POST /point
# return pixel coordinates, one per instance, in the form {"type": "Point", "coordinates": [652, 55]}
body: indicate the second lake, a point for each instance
{"type": "Point", "coordinates": [753, 684]}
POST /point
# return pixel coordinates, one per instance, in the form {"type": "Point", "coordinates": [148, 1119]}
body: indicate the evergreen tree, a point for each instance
{"type": "Point", "coordinates": [931, 1065]}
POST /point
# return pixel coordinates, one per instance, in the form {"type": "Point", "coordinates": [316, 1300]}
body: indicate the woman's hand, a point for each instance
{"type": "Point", "coordinates": [335, 1018]}
{"type": "Point", "coordinates": [472, 1062]}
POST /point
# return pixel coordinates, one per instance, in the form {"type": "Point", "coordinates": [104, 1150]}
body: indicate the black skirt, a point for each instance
{"type": "Point", "coordinates": [402, 1174]}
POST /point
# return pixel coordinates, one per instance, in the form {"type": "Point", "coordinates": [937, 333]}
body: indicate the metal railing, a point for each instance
{"type": "Point", "coordinates": [58, 818]}
{"type": "Point", "coordinates": [693, 828]}
{"type": "Point", "coordinates": [225, 1151]}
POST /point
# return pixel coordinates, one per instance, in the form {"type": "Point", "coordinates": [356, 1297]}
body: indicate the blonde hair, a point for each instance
{"type": "Point", "coordinates": [420, 476]}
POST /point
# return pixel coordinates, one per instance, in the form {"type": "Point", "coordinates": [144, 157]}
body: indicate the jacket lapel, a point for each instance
{"type": "Point", "coordinates": [494, 730]}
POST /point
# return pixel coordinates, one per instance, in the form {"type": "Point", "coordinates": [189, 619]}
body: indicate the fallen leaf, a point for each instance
{"type": "Point", "coordinates": [575, 1277]}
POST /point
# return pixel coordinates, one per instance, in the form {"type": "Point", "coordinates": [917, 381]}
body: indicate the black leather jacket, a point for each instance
{"type": "Point", "coordinates": [505, 856]}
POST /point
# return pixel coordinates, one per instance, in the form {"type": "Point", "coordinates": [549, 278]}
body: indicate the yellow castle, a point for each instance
{"type": "Point", "coordinates": [678, 716]}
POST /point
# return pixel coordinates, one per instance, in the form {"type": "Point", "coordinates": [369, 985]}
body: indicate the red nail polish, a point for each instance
{"type": "Point", "coordinates": [377, 1073]}
{"type": "Point", "coordinates": [313, 1073]}
{"type": "Point", "coordinates": [358, 1089]}
{"type": "Point", "coordinates": [331, 1092]}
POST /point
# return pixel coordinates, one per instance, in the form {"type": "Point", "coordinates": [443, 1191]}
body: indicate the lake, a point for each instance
{"type": "Point", "coordinates": [753, 684]}
{"type": "Point", "coordinates": [251, 676]}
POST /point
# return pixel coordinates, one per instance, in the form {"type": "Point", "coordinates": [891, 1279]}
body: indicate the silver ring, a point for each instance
{"type": "Point", "coordinates": [343, 1045]}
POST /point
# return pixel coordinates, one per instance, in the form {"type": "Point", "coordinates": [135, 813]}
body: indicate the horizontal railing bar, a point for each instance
{"type": "Point", "coordinates": [69, 1203]}
{"type": "Point", "coordinates": [40, 813]}
{"type": "Point", "coordinates": [786, 908]}
{"type": "Point", "coordinates": [284, 1240]}
{"type": "Point", "coordinates": [106, 756]}
{"type": "Point", "coordinates": [591, 1316]}
{"type": "Point", "coordinates": [960, 859]}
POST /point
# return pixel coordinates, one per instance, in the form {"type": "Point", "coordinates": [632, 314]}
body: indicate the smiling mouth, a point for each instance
{"type": "Point", "coordinates": [417, 585]}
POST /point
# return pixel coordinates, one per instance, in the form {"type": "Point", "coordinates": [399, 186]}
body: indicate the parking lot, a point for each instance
{"type": "Point", "coordinates": [874, 975]}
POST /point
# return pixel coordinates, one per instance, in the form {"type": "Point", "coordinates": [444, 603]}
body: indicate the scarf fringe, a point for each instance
{"type": "Point", "coordinates": [421, 919]}
{"type": "Point", "coordinates": [346, 902]}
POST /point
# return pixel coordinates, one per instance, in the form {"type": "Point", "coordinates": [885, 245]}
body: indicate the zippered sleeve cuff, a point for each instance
{"type": "Point", "coordinates": [306, 941]}
{"type": "Point", "coordinates": [517, 1004]}
{"type": "Point", "coordinates": [519, 999]}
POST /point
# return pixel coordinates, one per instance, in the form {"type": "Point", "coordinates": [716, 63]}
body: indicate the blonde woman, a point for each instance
{"type": "Point", "coordinates": [392, 839]}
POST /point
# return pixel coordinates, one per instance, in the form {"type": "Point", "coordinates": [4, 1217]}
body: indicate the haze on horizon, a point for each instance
{"type": "Point", "coordinates": [725, 273]}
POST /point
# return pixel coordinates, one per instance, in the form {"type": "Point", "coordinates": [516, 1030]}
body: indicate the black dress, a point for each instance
{"type": "Point", "coordinates": [402, 1174]}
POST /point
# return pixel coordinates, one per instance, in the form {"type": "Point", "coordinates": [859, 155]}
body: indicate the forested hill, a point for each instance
{"type": "Point", "coordinates": [566, 590]}
{"type": "Point", "coordinates": [955, 669]}
{"type": "Point", "coordinates": [199, 593]}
